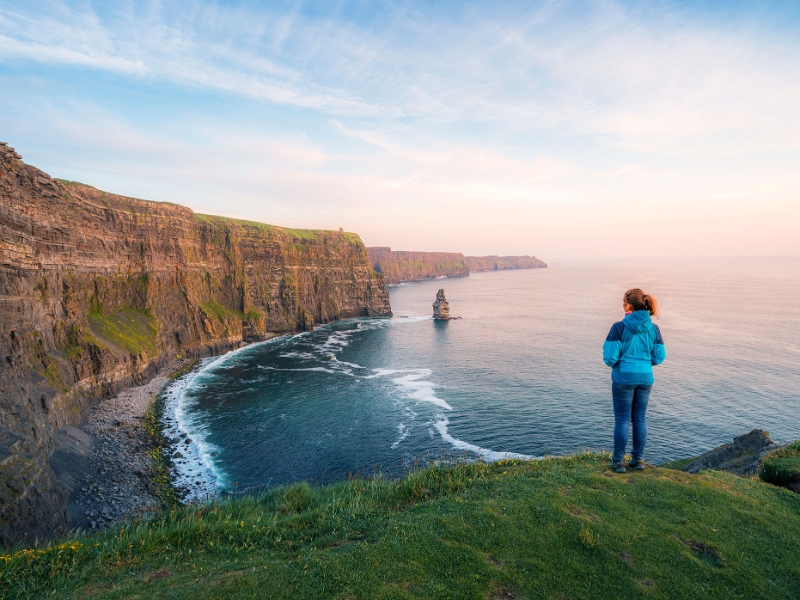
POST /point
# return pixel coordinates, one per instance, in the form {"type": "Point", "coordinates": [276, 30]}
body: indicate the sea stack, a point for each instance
{"type": "Point", "coordinates": [441, 309]}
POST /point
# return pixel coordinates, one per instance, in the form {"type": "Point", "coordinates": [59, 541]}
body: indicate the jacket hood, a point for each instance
{"type": "Point", "coordinates": [637, 322]}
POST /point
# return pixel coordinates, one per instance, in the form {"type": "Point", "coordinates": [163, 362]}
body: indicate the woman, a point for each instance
{"type": "Point", "coordinates": [631, 349]}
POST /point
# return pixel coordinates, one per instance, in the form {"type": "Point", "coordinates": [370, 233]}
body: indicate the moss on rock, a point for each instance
{"type": "Point", "coordinates": [131, 330]}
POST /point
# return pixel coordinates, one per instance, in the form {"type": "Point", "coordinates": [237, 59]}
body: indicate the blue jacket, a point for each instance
{"type": "Point", "coordinates": [631, 349]}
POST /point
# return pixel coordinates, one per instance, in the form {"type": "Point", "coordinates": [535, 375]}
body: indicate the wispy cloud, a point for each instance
{"type": "Point", "coordinates": [289, 109]}
{"type": "Point", "coordinates": [665, 84]}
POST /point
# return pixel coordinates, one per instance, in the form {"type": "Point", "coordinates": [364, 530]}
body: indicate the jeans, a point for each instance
{"type": "Point", "coordinates": [630, 406]}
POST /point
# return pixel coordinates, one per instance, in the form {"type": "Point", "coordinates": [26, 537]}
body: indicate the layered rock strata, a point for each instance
{"type": "Point", "coordinates": [96, 290]}
{"type": "Point", "coordinates": [399, 265]}
{"type": "Point", "coordinates": [441, 308]}
{"type": "Point", "coordinates": [502, 263]}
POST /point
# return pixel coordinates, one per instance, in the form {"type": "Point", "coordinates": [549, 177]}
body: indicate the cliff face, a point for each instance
{"type": "Point", "coordinates": [96, 289]}
{"type": "Point", "coordinates": [501, 263]}
{"type": "Point", "coordinates": [398, 266]}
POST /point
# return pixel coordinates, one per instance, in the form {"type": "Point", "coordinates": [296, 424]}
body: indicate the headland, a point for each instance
{"type": "Point", "coordinates": [98, 291]}
{"type": "Point", "coordinates": [400, 265]}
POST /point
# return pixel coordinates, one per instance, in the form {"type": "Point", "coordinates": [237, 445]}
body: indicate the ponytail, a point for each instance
{"type": "Point", "coordinates": [641, 301]}
{"type": "Point", "coordinates": [651, 304]}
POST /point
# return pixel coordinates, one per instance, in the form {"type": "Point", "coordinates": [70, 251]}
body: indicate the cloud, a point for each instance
{"type": "Point", "coordinates": [546, 119]}
{"type": "Point", "coordinates": [666, 82]}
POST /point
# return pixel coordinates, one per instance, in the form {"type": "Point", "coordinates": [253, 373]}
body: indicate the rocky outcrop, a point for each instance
{"type": "Point", "coordinates": [398, 265]}
{"type": "Point", "coordinates": [441, 308]}
{"type": "Point", "coordinates": [97, 289]}
{"type": "Point", "coordinates": [502, 263]}
{"type": "Point", "coordinates": [741, 457]}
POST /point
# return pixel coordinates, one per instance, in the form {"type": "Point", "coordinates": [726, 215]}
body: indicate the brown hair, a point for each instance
{"type": "Point", "coordinates": [641, 301]}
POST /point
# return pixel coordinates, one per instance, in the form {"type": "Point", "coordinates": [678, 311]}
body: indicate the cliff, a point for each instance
{"type": "Point", "coordinates": [398, 266]}
{"type": "Point", "coordinates": [501, 263]}
{"type": "Point", "coordinates": [97, 289]}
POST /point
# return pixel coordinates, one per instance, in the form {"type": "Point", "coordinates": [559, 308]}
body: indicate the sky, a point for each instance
{"type": "Point", "coordinates": [557, 129]}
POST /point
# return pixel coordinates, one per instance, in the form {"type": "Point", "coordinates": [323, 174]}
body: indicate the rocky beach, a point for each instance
{"type": "Point", "coordinates": [105, 463]}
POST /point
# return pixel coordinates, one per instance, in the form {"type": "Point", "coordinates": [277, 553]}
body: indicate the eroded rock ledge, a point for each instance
{"type": "Point", "coordinates": [98, 290]}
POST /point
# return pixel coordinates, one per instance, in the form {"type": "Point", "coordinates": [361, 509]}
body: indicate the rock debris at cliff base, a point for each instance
{"type": "Point", "coordinates": [104, 464]}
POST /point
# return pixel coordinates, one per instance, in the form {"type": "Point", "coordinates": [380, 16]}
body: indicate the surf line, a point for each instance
{"type": "Point", "coordinates": [423, 391]}
{"type": "Point", "coordinates": [197, 474]}
{"type": "Point", "coordinates": [196, 467]}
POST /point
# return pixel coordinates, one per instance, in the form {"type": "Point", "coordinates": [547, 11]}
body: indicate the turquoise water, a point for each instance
{"type": "Point", "coordinates": [520, 374]}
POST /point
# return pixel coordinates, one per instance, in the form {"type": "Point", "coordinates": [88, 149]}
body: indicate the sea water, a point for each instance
{"type": "Point", "coordinates": [519, 375]}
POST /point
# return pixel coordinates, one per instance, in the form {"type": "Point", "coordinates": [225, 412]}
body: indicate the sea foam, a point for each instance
{"type": "Point", "coordinates": [197, 472]}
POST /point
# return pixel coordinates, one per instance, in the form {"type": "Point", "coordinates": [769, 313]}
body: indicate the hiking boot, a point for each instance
{"type": "Point", "coordinates": [618, 467]}
{"type": "Point", "coordinates": [637, 465]}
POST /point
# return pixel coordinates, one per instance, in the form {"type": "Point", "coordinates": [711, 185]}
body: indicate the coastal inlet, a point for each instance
{"type": "Point", "coordinates": [519, 375]}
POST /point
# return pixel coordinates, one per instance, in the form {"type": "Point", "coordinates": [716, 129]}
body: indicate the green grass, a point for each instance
{"type": "Point", "coordinates": [679, 464]}
{"type": "Point", "coordinates": [215, 309]}
{"type": "Point", "coordinates": [54, 377]}
{"type": "Point", "coordinates": [162, 479]}
{"type": "Point", "coordinates": [302, 234]}
{"type": "Point", "coordinates": [557, 528]}
{"type": "Point", "coordinates": [68, 182]}
{"type": "Point", "coordinates": [253, 314]}
{"type": "Point", "coordinates": [297, 234]}
{"type": "Point", "coordinates": [131, 330]}
{"type": "Point", "coordinates": [782, 466]}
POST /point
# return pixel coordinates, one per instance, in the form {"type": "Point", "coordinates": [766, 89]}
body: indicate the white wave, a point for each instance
{"type": "Point", "coordinates": [195, 471]}
{"type": "Point", "coordinates": [490, 455]}
{"type": "Point", "coordinates": [336, 341]}
{"type": "Point", "coordinates": [209, 365]}
{"type": "Point", "coordinates": [304, 355]}
{"type": "Point", "coordinates": [347, 364]}
{"type": "Point", "coordinates": [421, 391]}
{"type": "Point", "coordinates": [317, 369]}
{"type": "Point", "coordinates": [403, 433]}
{"type": "Point", "coordinates": [404, 319]}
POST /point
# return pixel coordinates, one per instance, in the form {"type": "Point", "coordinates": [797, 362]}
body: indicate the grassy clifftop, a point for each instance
{"type": "Point", "coordinates": [298, 234]}
{"type": "Point", "coordinates": [557, 528]}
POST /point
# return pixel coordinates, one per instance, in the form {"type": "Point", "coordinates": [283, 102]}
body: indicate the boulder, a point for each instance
{"type": "Point", "coordinates": [741, 457]}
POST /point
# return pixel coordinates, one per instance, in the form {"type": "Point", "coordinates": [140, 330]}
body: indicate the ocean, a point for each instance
{"type": "Point", "coordinates": [519, 375]}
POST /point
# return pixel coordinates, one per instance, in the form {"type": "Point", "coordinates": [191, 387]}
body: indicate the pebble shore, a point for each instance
{"type": "Point", "coordinates": [115, 484]}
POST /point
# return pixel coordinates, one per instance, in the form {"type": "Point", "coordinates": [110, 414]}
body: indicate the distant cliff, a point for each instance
{"type": "Point", "coordinates": [501, 263]}
{"type": "Point", "coordinates": [398, 266]}
{"type": "Point", "coordinates": [96, 289]}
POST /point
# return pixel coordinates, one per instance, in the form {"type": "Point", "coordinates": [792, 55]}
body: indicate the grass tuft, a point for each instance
{"type": "Point", "coordinates": [589, 539]}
